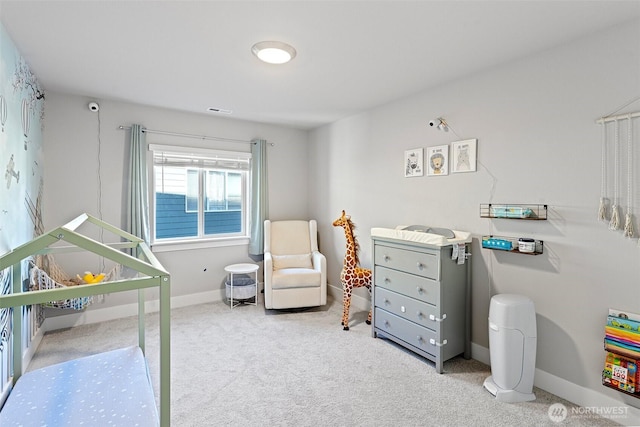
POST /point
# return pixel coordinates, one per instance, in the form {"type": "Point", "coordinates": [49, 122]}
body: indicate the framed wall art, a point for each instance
{"type": "Point", "coordinates": [438, 160]}
{"type": "Point", "coordinates": [464, 155]}
{"type": "Point", "coordinates": [413, 162]}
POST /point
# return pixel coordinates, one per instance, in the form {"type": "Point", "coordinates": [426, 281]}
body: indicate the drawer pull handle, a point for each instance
{"type": "Point", "coordinates": [420, 338]}
{"type": "Point", "coordinates": [419, 289]}
{"type": "Point", "coordinates": [419, 314]}
{"type": "Point", "coordinates": [386, 302]}
{"type": "Point", "coordinates": [436, 319]}
{"type": "Point", "coordinates": [387, 258]}
{"type": "Point", "coordinates": [420, 266]}
{"type": "Point", "coordinates": [437, 344]}
{"type": "Point", "coordinates": [386, 324]}
{"type": "Point", "coordinates": [387, 280]}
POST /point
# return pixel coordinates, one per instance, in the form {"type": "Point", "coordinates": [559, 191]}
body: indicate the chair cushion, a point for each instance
{"type": "Point", "coordinates": [288, 278]}
{"type": "Point", "coordinates": [290, 237]}
{"type": "Point", "coordinates": [292, 261]}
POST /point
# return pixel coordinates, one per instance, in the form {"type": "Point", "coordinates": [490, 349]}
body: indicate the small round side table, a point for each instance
{"type": "Point", "coordinates": [234, 269]}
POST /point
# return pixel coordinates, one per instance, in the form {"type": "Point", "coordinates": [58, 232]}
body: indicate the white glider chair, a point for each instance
{"type": "Point", "coordinates": [295, 272]}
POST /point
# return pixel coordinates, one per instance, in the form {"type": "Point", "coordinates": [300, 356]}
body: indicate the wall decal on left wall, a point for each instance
{"type": "Point", "coordinates": [11, 172]}
{"type": "Point", "coordinates": [3, 111]}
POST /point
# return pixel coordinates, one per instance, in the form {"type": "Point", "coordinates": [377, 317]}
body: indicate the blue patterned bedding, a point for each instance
{"type": "Point", "coordinates": [111, 388]}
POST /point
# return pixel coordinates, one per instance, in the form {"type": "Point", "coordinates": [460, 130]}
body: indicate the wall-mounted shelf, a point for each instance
{"type": "Point", "coordinates": [510, 244]}
{"type": "Point", "coordinates": [612, 386]}
{"type": "Point", "coordinates": [622, 343]}
{"type": "Point", "coordinates": [620, 373]}
{"type": "Point", "coordinates": [513, 211]}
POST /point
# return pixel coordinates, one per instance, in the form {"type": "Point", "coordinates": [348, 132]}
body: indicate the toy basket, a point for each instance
{"type": "Point", "coordinates": [244, 287]}
{"type": "Point", "coordinates": [53, 279]}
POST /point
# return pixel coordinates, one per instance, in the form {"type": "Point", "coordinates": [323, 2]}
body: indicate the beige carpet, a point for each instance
{"type": "Point", "coordinates": [251, 366]}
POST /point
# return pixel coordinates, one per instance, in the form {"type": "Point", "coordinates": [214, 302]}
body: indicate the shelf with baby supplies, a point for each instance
{"type": "Point", "coordinates": [513, 211]}
{"type": "Point", "coordinates": [622, 344]}
{"type": "Point", "coordinates": [521, 245]}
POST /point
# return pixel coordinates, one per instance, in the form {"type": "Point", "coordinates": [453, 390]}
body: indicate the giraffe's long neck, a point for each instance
{"type": "Point", "coordinates": [351, 257]}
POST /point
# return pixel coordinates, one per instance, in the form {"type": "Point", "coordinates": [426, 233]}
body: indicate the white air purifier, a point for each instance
{"type": "Point", "coordinates": [512, 348]}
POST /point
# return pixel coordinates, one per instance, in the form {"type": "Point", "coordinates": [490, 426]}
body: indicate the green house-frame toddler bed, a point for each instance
{"type": "Point", "coordinates": [111, 387]}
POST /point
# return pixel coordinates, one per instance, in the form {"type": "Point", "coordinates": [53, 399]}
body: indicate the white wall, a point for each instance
{"type": "Point", "coordinates": [72, 186]}
{"type": "Point", "coordinates": [537, 143]}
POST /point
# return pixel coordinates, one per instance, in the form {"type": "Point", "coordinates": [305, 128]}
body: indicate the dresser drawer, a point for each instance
{"type": "Point", "coordinates": [405, 330]}
{"type": "Point", "coordinates": [417, 287]}
{"type": "Point", "coordinates": [408, 308]}
{"type": "Point", "coordinates": [425, 264]}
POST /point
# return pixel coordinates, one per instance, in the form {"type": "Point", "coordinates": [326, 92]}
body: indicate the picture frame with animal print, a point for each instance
{"type": "Point", "coordinates": [413, 162]}
{"type": "Point", "coordinates": [438, 160]}
{"type": "Point", "coordinates": [464, 155]}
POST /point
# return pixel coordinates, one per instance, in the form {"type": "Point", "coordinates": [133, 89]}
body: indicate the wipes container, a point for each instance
{"type": "Point", "coordinates": [526, 245]}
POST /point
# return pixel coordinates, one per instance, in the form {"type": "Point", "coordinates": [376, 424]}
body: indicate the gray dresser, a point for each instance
{"type": "Point", "coordinates": [420, 298]}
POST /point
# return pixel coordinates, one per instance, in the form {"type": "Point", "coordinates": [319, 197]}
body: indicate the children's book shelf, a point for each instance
{"type": "Point", "coordinates": [622, 344]}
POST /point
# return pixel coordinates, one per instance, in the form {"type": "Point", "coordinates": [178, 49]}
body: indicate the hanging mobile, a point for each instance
{"type": "Point", "coordinates": [602, 210]}
{"type": "Point", "coordinates": [628, 220]}
{"type": "Point", "coordinates": [614, 223]}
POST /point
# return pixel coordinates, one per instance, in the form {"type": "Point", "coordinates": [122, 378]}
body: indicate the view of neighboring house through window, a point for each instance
{"type": "Point", "coordinates": [199, 193]}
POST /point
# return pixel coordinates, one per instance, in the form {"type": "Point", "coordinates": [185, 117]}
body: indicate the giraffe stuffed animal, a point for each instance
{"type": "Point", "coordinates": [352, 276]}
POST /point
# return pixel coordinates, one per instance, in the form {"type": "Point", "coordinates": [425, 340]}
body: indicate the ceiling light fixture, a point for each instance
{"type": "Point", "coordinates": [274, 52]}
{"type": "Point", "coordinates": [439, 123]}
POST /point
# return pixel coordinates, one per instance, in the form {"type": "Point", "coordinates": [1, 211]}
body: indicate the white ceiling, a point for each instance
{"type": "Point", "coordinates": [352, 55]}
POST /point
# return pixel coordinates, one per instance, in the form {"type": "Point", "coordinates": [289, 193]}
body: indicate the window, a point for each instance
{"type": "Point", "coordinates": [199, 193]}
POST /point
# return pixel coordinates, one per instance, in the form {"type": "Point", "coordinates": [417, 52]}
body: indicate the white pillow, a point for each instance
{"type": "Point", "coordinates": [292, 261]}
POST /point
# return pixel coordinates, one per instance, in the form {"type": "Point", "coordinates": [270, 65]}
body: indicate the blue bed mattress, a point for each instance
{"type": "Point", "coordinates": [111, 388]}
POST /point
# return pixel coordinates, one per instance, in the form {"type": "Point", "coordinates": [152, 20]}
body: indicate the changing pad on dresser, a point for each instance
{"type": "Point", "coordinates": [423, 237]}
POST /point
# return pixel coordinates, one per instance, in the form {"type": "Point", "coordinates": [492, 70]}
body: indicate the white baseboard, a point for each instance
{"type": "Point", "coordinates": [335, 292]}
{"type": "Point", "coordinates": [480, 353]}
{"type": "Point", "coordinates": [357, 301]}
{"type": "Point", "coordinates": [120, 311]}
{"type": "Point", "coordinates": [590, 401]}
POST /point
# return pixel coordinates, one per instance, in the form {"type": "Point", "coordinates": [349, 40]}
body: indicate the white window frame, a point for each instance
{"type": "Point", "coordinates": [201, 241]}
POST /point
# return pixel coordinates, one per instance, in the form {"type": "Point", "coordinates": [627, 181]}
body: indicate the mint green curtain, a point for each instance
{"type": "Point", "coordinates": [259, 196]}
{"type": "Point", "coordinates": [138, 195]}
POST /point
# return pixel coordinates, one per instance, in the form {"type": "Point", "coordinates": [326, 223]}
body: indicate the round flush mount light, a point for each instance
{"type": "Point", "coordinates": [273, 52]}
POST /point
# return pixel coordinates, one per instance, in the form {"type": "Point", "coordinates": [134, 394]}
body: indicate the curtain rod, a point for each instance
{"type": "Point", "coordinates": [187, 135]}
{"type": "Point", "coordinates": [618, 117]}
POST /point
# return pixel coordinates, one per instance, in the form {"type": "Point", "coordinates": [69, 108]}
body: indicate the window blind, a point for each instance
{"type": "Point", "coordinates": [164, 155]}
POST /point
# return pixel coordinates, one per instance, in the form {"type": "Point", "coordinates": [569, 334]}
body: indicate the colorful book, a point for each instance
{"type": "Point", "coordinates": [624, 323]}
{"type": "Point", "coordinates": [624, 314]}
{"type": "Point", "coordinates": [622, 334]}
{"type": "Point", "coordinates": [621, 372]}
{"type": "Point", "coordinates": [633, 344]}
